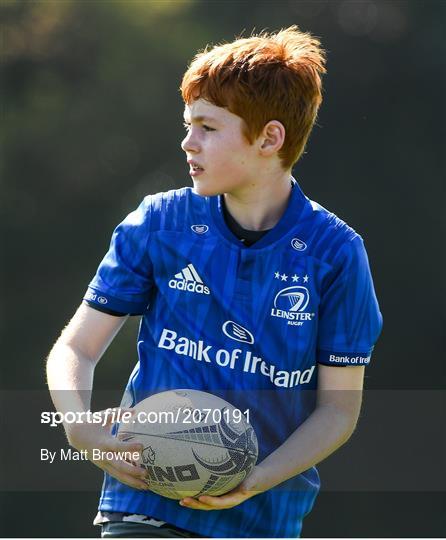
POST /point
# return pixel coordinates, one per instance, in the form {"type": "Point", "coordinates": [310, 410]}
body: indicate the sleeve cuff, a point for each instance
{"type": "Point", "coordinates": [105, 310]}
{"type": "Point", "coordinates": [104, 301]}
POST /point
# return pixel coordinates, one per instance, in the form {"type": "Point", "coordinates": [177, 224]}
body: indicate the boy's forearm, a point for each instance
{"type": "Point", "coordinates": [70, 378]}
{"type": "Point", "coordinates": [72, 360]}
{"type": "Point", "coordinates": [320, 435]}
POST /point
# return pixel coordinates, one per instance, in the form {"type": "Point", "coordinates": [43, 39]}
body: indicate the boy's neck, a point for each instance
{"type": "Point", "coordinates": [260, 206]}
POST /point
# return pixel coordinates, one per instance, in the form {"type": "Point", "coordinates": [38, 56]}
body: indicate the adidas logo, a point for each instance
{"type": "Point", "coordinates": [189, 280]}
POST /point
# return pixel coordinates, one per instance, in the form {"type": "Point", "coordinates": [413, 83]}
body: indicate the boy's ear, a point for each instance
{"type": "Point", "coordinates": [272, 138]}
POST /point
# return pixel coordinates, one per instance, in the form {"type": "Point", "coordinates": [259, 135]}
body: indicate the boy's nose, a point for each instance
{"type": "Point", "coordinates": [189, 144]}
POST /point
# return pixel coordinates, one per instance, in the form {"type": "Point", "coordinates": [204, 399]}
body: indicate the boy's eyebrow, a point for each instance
{"type": "Point", "coordinates": [201, 118]}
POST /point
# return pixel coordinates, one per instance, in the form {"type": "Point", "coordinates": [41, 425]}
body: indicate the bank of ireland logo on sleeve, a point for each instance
{"type": "Point", "coordinates": [189, 280]}
{"type": "Point", "coordinates": [290, 304]}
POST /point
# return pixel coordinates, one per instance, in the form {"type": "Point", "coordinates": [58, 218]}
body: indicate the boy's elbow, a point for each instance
{"type": "Point", "coordinates": [349, 430]}
{"type": "Point", "coordinates": [351, 418]}
{"type": "Point", "coordinates": [345, 418]}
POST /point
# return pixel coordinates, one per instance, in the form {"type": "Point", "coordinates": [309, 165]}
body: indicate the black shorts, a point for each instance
{"type": "Point", "coordinates": [127, 529]}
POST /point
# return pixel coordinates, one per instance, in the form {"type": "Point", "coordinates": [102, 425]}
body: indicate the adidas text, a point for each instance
{"type": "Point", "coordinates": [190, 286]}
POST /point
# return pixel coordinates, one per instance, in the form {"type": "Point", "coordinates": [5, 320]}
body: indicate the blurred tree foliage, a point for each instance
{"type": "Point", "coordinates": [90, 108]}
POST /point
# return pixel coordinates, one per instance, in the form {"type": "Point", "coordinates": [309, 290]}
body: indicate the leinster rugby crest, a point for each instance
{"type": "Point", "coordinates": [291, 303]}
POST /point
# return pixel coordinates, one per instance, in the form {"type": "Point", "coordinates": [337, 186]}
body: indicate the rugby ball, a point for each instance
{"type": "Point", "coordinates": [194, 443]}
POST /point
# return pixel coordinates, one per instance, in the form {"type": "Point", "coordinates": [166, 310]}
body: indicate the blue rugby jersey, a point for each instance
{"type": "Point", "coordinates": [249, 324]}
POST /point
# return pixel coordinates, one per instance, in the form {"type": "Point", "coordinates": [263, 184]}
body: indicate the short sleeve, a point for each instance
{"type": "Point", "coordinates": [123, 281]}
{"type": "Point", "coordinates": [349, 318]}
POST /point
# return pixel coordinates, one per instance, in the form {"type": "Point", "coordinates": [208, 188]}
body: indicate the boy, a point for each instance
{"type": "Point", "coordinates": [245, 247]}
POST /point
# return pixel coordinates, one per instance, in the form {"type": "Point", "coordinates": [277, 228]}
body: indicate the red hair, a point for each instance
{"type": "Point", "coordinates": [269, 76]}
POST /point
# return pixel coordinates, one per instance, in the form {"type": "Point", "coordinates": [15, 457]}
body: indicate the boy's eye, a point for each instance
{"type": "Point", "coordinates": [188, 126]}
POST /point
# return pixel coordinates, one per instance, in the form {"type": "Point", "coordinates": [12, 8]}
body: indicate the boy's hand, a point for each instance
{"type": "Point", "coordinates": [247, 489]}
{"type": "Point", "coordinates": [90, 436]}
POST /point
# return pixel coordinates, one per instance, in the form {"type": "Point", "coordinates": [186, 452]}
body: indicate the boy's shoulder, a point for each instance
{"type": "Point", "coordinates": [330, 238]}
{"type": "Point", "coordinates": [174, 199]}
{"type": "Point", "coordinates": [329, 222]}
{"type": "Point", "coordinates": [169, 210]}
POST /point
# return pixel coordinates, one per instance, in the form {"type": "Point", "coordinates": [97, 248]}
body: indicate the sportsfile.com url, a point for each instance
{"type": "Point", "coordinates": [113, 416]}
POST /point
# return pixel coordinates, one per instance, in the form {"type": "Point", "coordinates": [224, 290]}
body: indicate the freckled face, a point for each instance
{"type": "Point", "coordinates": [220, 158]}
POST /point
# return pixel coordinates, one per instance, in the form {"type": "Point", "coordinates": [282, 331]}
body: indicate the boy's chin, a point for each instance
{"type": "Point", "coordinates": [200, 188]}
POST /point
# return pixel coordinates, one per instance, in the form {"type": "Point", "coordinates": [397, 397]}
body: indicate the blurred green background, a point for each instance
{"type": "Point", "coordinates": [91, 121]}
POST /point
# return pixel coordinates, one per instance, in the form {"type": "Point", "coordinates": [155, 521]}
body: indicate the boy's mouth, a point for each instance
{"type": "Point", "coordinates": [195, 168]}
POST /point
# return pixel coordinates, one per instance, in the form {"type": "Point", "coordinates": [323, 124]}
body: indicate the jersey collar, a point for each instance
{"type": "Point", "coordinates": [288, 220]}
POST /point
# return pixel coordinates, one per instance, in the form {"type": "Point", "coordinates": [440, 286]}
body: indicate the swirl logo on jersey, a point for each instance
{"type": "Point", "coordinates": [237, 332]}
{"type": "Point", "coordinates": [290, 304]}
{"type": "Point", "coordinates": [200, 229]}
{"type": "Point", "coordinates": [298, 245]}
